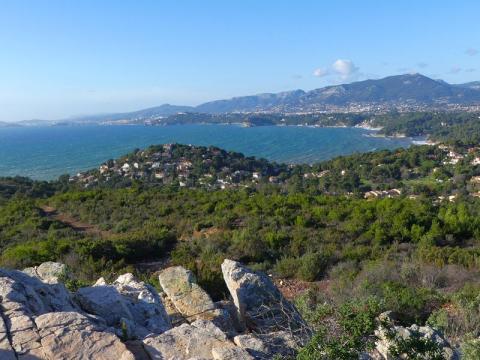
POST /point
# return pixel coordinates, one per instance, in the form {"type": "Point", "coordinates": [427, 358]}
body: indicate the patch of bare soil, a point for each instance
{"type": "Point", "coordinates": [73, 223]}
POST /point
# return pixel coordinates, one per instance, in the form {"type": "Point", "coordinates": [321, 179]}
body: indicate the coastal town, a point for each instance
{"type": "Point", "coordinates": [196, 167]}
{"type": "Point", "coordinates": [452, 171]}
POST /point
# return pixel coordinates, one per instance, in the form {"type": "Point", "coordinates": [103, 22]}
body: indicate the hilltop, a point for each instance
{"type": "Point", "coordinates": [417, 171]}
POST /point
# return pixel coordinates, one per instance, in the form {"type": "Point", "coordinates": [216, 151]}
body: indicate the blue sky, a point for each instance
{"type": "Point", "coordinates": [65, 57]}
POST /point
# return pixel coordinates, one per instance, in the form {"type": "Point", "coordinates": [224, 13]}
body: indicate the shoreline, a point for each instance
{"type": "Point", "coordinates": [115, 141]}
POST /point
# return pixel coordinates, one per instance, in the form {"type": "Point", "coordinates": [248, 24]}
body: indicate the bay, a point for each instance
{"type": "Point", "coordinates": [45, 153]}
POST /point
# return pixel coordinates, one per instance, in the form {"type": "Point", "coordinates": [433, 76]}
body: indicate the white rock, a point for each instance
{"type": "Point", "coordinates": [49, 272]}
{"type": "Point", "coordinates": [184, 342]}
{"type": "Point", "coordinates": [144, 303]}
{"type": "Point", "coordinates": [191, 301]}
{"type": "Point", "coordinates": [70, 335]}
{"type": "Point", "coordinates": [260, 305]}
{"type": "Point", "coordinates": [181, 287]}
{"type": "Point", "coordinates": [222, 353]}
{"type": "Point", "coordinates": [104, 301]}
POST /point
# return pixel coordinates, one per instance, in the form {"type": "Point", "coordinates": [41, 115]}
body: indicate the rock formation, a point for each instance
{"type": "Point", "coordinates": [261, 307]}
{"type": "Point", "coordinates": [388, 333]}
{"type": "Point", "coordinates": [190, 300]}
{"type": "Point", "coordinates": [41, 321]}
{"type": "Point", "coordinates": [128, 319]}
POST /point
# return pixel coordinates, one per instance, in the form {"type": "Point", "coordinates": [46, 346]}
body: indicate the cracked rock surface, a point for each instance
{"type": "Point", "coordinates": [128, 319]}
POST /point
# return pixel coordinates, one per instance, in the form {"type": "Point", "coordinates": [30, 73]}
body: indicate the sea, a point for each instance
{"type": "Point", "coordinates": [44, 153]}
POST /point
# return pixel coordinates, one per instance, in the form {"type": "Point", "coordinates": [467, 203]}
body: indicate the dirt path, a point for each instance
{"type": "Point", "coordinates": [73, 223]}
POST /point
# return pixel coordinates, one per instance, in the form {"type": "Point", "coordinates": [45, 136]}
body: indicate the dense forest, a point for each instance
{"type": "Point", "coordinates": [415, 255]}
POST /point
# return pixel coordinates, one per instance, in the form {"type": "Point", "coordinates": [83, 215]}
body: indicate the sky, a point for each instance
{"type": "Point", "coordinates": [62, 58]}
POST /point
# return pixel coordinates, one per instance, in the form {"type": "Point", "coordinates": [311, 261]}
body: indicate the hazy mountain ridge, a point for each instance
{"type": "Point", "coordinates": [414, 87]}
{"type": "Point", "coordinates": [157, 111]}
{"type": "Point", "coordinates": [393, 89]}
{"type": "Point", "coordinates": [471, 85]}
{"type": "Point", "coordinates": [411, 91]}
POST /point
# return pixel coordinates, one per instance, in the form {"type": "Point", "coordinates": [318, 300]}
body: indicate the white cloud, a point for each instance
{"type": "Point", "coordinates": [344, 68]}
{"type": "Point", "coordinates": [340, 70]}
{"type": "Point", "coordinates": [471, 52]}
{"type": "Point", "coordinates": [320, 72]}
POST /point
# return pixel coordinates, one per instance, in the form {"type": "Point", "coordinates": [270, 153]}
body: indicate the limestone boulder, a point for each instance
{"type": "Point", "coordinates": [227, 353]}
{"type": "Point", "coordinates": [49, 272]}
{"type": "Point", "coordinates": [22, 298]}
{"type": "Point", "coordinates": [143, 303]}
{"type": "Point", "coordinates": [265, 346]}
{"type": "Point", "coordinates": [71, 335]}
{"type": "Point", "coordinates": [260, 305]}
{"type": "Point", "coordinates": [190, 300]}
{"type": "Point", "coordinates": [187, 341]}
{"type": "Point", "coordinates": [19, 290]}
{"type": "Point", "coordinates": [105, 302]}
{"type": "Point", "coordinates": [387, 329]}
{"type": "Point", "coordinates": [132, 307]}
{"type": "Point", "coordinates": [182, 289]}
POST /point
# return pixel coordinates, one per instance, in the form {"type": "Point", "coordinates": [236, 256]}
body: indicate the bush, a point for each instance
{"type": "Point", "coordinates": [414, 347]}
{"type": "Point", "coordinates": [412, 305]}
{"type": "Point", "coordinates": [309, 267]}
{"type": "Point", "coordinates": [470, 349]}
{"type": "Point", "coordinates": [312, 266]}
{"type": "Point", "coordinates": [355, 335]}
{"type": "Point", "coordinates": [286, 267]}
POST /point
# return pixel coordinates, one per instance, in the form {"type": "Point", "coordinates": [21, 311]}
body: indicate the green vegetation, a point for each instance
{"type": "Point", "coordinates": [445, 126]}
{"type": "Point", "coordinates": [417, 256]}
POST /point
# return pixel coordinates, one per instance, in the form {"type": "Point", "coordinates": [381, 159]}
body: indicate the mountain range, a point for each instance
{"type": "Point", "coordinates": [409, 91]}
{"type": "Point", "coordinates": [401, 89]}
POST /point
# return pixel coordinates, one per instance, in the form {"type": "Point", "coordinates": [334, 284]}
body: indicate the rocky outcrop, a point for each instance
{"type": "Point", "coordinates": [144, 303]}
{"type": "Point", "coordinates": [261, 308]}
{"type": "Point", "coordinates": [127, 319]}
{"type": "Point", "coordinates": [49, 272]}
{"type": "Point", "coordinates": [62, 333]}
{"type": "Point", "coordinates": [263, 346]}
{"type": "Point", "coordinates": [388, 334]}
{"type": "Point", "coordinates": [105, 302]}
{"type": "Point", "coordinates": [6, 350]}
{"type": "Point", "coordinates": [190, 300]}
{"type": "Point", "coordinates": [201, 339]}
{"type": "Point", "coordinates": [40, 321]}
{"type": "Point", "coordinates": [181, 288]}
{"type": "Point", "coordinates": [131, 306]}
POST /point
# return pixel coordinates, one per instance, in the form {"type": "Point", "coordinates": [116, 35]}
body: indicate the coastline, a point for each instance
{"type": "Point", "coordinates": [86, 147]}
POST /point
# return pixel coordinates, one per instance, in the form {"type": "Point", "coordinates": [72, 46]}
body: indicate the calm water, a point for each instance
{"type": "Point", "coordinates": [47, 152]}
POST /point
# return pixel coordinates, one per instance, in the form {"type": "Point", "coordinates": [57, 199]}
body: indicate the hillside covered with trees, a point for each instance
{"type": "Point", "coordinates": [334, 233]}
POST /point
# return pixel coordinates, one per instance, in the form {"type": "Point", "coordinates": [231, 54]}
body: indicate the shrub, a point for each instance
{"type": "Point", "coordinates": [286, 267]}
{"type": "Point", "coordinates": [414, 347]}
{"type": "Point", "coordinates": [312, 266]}
{"type": "Point", "coordinates": [470, 349]}
{"type": "Point", "coordinates": [356, 320]}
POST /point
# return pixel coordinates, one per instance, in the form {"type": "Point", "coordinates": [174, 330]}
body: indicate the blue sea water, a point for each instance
{"type": "Point", "coordinates": [47, 152]}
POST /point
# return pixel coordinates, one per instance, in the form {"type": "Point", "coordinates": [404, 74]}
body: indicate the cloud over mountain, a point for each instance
{"type": "Point", "coordinates": [345, 68]}
{"type": "Point", "coordinates": [342, 68]}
